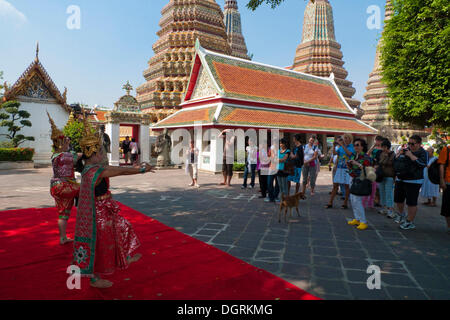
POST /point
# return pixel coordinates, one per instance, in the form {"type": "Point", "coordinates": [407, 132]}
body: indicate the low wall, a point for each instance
{"type": "Point", "coordinates": [6, 165]}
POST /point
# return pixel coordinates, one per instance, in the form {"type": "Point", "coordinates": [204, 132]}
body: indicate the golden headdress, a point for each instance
{"type": "Point", "coordinates": [56, 133]}
{"type": "Point", "coordinates": [91, 141]}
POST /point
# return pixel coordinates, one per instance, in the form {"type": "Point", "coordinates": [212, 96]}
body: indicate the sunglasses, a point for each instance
{"type": "Point", "coordinates": [358, 145]}
{"type": "Point", "coordinates": [411, 144]}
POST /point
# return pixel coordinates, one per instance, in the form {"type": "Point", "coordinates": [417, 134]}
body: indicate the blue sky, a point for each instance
{"type": "Point", "coordinates": [115, 41]}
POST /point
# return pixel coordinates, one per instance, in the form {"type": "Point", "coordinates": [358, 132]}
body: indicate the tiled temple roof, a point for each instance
{"type": "Point", "coordinates": [252, 81]}
{"type": "Point", "coordinates": [237, 116]}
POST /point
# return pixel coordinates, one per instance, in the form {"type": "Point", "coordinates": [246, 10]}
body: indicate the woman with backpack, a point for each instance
{"type": "Point", "coordinates": [386, 170]}
{"type": "Point", "coordinates": [429, 191]}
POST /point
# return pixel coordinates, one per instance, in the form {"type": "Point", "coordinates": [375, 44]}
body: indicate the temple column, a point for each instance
{"type": "Point", "coordinates": [144, 142]}
{"type": "Point", "coordinates": [324, 144]}
{"type": "Point", "coordinates": [113, 130]}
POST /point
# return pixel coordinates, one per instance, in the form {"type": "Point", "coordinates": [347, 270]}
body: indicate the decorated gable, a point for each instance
{"type": "Point", "coordinates": [36, 88]}
{"type": "Point", "coordinates": [204, 86]}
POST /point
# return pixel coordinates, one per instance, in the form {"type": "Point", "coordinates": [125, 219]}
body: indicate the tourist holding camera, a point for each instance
{"type": "Point", "coordinates": [408, 166]}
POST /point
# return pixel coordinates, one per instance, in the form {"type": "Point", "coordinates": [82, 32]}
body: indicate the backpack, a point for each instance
{"type": "Point", "coordinates": [433, 170]}
{"type": "Point", "coordinates": [402, 167]}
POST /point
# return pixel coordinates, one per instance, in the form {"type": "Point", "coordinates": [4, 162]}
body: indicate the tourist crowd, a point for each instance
{"type": "Point", "coordinates": [369, 177]}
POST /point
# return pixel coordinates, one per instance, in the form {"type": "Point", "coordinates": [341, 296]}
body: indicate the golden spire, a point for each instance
{"type": "Point", "coordinates": [57, 134]}
{"type": "Point", "coordinates": [37, 51]}
{"type": "Point", "coordinates": [91, 142]}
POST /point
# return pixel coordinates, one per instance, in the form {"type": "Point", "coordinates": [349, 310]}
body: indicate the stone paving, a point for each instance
{"type": "Point", "coordinates": [317, 252]}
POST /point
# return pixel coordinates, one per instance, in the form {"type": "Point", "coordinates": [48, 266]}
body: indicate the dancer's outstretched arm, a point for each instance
{"type": "Point", "coordinates": [110, 172]}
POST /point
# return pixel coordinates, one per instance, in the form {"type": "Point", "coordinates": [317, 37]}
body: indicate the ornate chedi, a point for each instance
{"type": "Point", "coordinates": [319, 53]}
{"type": "Point", "coordinates": [376, 104]}
{"type": "Point", "coordinates": [234, 30]}
{"type": "Point", "coordinates": [182, 22]}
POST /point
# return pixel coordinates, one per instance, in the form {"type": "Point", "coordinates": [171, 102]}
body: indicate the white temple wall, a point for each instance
{"type": "Point", "coordinates": [40, 128]}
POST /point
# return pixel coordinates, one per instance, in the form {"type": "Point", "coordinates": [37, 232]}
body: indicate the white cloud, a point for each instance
{"type": "Point", "coordinates": [9, 13]}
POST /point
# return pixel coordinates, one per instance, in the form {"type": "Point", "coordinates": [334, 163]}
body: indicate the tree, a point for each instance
{"type": "Point", "coordinates": [74, 130]}
{"type": "Point", "coordinates": [416, 62]}
{"type": "Point", "coordinates": [253, 4]}
{"type": "Point", "coordinates": [8, 119]}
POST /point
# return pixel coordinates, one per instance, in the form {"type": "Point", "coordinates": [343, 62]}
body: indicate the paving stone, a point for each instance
{"type": "Point", "coordinates": [357, 276]}
{"type": "Point", "coordinates": [241, 252]}
{"type": "Point", "coordinates": [352, 263]}
{"type": "Point", "coordinates": [434, 282]}
{"type": "Point", "coordinates": [352, 253]}
{"type": "Point", "coordinates": [361, 292]}
{"type": "Point", "coordinates": [263, 254]}
{"type": "Point", "coordinates": [438, 294]}
{"type": "Point", "coordinates": [348, 244]}
{"type": "Point", "coordinates": [326, 261]}
{"type": "Point", "coordinates": [268, 266]}
{"type": "Point", "coordinates": [275, 238]}
{"type": "Point", "coordinates": [297, 270]}
{"type": "Point", "coordinates": [327, 272]}
{"type": "Point", "coordinates": [277, 246]}
{"type": "Point", "coordinates": [406, 293]}
{"type": "Point", "coordinates": [325, 251]}
{"type": "Point", "coordinates": [326, 286]}
{"type": "Point", "coordinates": [397, 280]}
{"type": "Point", "coordinates": [324, 243]}
{"type": "Point", "coordinates": [382, 255]}
{"type": "Point", "coordinates": [297, 258]}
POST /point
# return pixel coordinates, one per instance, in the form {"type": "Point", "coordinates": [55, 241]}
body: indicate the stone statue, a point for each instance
{"type": "Point", "coordinates": [162, 147]}
{"type": "Point", "coordinates": [106, 141]}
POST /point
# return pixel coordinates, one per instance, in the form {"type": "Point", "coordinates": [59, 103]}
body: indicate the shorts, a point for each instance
{"type": "Point", "coordinates": [227, 169]}
{"type": "Point", "coordinates": [296, 177]}
{"type": "Point", "coordinates": [445, 210]}
{"type": "Point", "coordinates": [408, 191]}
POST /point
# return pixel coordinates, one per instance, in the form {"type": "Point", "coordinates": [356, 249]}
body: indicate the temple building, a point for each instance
{"type": "Point", "coordinates": [234, 30]}
{"type": "Point", "coordinates": [182, 22]}
{"type": "Point", "coordinates": [226, 92]}
{"type": "Point", "coordinates": [376, 103]}
{"type": "Point", "coordinates": [319, 53]}
{"type": "Point", "coordinates": [38, 94]}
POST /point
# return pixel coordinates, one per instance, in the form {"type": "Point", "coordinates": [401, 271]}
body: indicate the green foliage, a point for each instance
{"type": "Point", "coordinates": [16, 154]}
{"type": "Point", "coordinates": [238, 166]}
{"type": "Point", "coordinates": [74, 130]}
{"type": "Point", "coordinates": [416, 62]}
{"type": "Point", "coordinates": [6, 144]}
{"type": "Point", "coordinates": [9, 115]}
{"type": "Point", "coordinates": [253, 4]}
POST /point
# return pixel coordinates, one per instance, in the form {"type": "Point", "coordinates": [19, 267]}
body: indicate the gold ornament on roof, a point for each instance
{"type": "Point", "coordinates": [91, 142]}
{"type": "Point", "coordinates": [57, 134]}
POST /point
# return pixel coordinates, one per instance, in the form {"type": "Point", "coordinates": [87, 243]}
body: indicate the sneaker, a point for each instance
{"type": "Point", "coordinates": [243, 187]}
{"type": "Point", "coordinates": [354, 222]}
{"type": "Point", "coordinates": [382, 211]}
{"type": "Point", "coordinates": [400, 218]}
{"type": "Point", "coordinates": [190, 185]}
{"type": "Point", "coordinates": [390, 214]}
{"type": "Point", "coordinates": [268, 200]}
{"type": "Point", "coordinates": [362, 226]}
{"type": "Point", "coordinates": [197, 185]}
{"type": "Point", "coordinates": [406, 225]}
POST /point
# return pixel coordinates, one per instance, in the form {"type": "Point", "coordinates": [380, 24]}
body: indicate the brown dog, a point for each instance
{"type": "Point", "coordinates": [290, 202]}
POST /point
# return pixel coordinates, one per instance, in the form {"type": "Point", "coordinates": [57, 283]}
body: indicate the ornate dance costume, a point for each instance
{"type": "Point", "coordinates": [103, 239]}
{"type": "Point", "coordinates": [63, 187]}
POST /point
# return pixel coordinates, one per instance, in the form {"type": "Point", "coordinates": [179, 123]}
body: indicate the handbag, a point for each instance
{"type": "Point", "coordinates": [361, 187]}
{"type": "Point", "coordinates": [380, 174]}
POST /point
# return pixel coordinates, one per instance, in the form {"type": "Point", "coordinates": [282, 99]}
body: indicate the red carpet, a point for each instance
{"type": "Point", "coordinates": [174, 266]}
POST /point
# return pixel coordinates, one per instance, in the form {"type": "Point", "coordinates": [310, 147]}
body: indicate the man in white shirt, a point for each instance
{"type": "Point", "coordinates": [250, 164]}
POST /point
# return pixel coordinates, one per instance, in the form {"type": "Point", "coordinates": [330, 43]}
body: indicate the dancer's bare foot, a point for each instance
{"type": "Point", "coordinates": [65, 240]}
{"type": "Point", "coordinates": [135, 258]}
{"type": "Point", "coordinates": [101, 284]}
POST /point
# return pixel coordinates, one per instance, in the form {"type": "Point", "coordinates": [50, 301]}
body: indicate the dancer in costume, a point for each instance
{"type": "Point", "coordinates": [104, 240]}
{"type": "Point", "coordinates": [63, 186]}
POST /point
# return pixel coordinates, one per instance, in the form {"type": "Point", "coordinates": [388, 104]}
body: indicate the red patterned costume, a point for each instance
{"type": "Point", "coordinates": [103, 239]}
{"type": "Point", "coordinates": [63, 187]}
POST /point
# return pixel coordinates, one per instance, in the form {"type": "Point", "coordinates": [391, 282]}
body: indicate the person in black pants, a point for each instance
{"type": "Point", "coordinates": [263, 167]}
{"type": "Point", "coordinates": [298, 156]}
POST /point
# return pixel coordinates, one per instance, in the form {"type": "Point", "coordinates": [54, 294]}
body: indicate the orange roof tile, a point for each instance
{"type": "Point", "coordinates": [261, 118]}
{"type": "Point", "coordinates": [187, 116]}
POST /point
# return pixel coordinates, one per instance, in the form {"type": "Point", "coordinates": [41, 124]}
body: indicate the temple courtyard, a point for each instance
{"type": "Point", "coordinates": [317, 252]}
